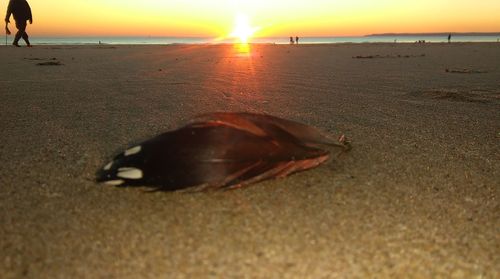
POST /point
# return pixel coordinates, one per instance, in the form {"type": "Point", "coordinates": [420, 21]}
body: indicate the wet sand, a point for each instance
{"type": "Point", "coordinates": [418, 195]}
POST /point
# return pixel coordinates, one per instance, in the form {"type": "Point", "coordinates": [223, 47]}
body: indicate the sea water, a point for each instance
{"type": "Point", "coordinates": [269, 40]}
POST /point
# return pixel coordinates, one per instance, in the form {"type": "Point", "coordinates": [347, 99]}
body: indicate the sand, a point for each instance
{"type": "Point", "coordinates": [417, 197]}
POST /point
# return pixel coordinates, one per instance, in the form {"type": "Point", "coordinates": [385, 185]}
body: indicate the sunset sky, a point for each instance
{"type": "Point", "coordinates": [216, 18]}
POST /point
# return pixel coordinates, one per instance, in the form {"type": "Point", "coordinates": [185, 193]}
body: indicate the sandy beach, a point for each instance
{"type": "Point", "coordinates": [416, 197]}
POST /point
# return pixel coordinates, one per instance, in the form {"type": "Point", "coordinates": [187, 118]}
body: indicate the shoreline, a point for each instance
{"type": "Point", "coordinates": [145, 40]}
{"type": "Point", "coordinates": [261, 44]}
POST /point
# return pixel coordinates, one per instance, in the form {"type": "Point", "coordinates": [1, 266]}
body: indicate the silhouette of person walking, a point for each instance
{"type": "Point", "coordinates": [449, 38]}
{"type": "Point", "coordinates": [291, 40]}
{"type": "Point", "coordinates": [297, 40]}
{"type": "Point", "coordinates": [21, 11]}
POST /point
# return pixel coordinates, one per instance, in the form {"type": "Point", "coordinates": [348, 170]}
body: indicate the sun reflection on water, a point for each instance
{"type": "Point", "coordinates": [242, 49]}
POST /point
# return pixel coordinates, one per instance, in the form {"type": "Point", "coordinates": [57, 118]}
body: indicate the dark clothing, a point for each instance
{"type": "Point", "coordinates": [21, 26]}
{"type": "Point", "coordinates": [20, 9]}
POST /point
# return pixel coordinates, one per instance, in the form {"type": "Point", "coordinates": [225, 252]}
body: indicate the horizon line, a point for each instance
{"type": "Point", "coordinates": [474, 33]}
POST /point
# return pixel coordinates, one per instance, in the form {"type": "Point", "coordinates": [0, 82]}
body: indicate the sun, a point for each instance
{"type": "Point", "coordinates": [242, 29]}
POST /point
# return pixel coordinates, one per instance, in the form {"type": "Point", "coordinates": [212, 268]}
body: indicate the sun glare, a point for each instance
{"type": "Point", "coordinates": [242, 29]}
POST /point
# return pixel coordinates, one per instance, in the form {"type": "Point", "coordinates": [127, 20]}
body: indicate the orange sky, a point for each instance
{"type": "Point", "coordinates": [216, 18]}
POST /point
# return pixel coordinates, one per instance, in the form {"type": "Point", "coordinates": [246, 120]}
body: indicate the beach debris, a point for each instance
{"type": "Point", "coordinates": [387, 56]}
{"type": "Point", "coordinates": [464, 71]}
{"type": "Point", "coordinates": [38, 58]}
{"type": "Point", "coordinates": [50, 63]}
{"type": "Point", "coordinates": [366, 56]}
{"type": "Point", "coordinates": [473, 96]}
{"type": "Point", "coordinates": [222, 150]}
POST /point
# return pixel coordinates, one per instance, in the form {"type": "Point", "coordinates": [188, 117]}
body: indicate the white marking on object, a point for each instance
{"type": "Point", "coordinates": [133, 150]}
{"type": "Point", "coordinates": [126, 169]}
{"type": "Point", "coordinates": [115, 182]}
{"type": "Point", "coordinates": [108, 166]}
{"type": "Point", "coordinates": [130, 173]}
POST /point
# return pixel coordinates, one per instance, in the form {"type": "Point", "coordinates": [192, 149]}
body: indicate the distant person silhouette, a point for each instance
{"type": "Point", "coordinates": [291, 40]}
{"type": "Point", "coordinates": [449, 38]}
{"type": "Point", "coordinates": [21, 11]}
{"type": "Point", "coordinates": [297, 40]}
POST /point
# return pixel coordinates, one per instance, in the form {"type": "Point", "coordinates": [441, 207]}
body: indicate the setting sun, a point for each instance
{"type": "Point", "coordinates": [242, 28]}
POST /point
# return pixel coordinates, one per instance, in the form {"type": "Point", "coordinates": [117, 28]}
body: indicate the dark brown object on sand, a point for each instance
{"type": "Point", "coordinates": [221, 150]}
{"type": "Point", "coordinates": [50, 63]}
{"type": "Point", "coordinates": [464, 71]}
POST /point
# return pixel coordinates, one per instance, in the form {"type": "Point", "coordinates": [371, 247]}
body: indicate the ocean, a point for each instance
{"type": "Point", "coordinates": [271, 40]}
